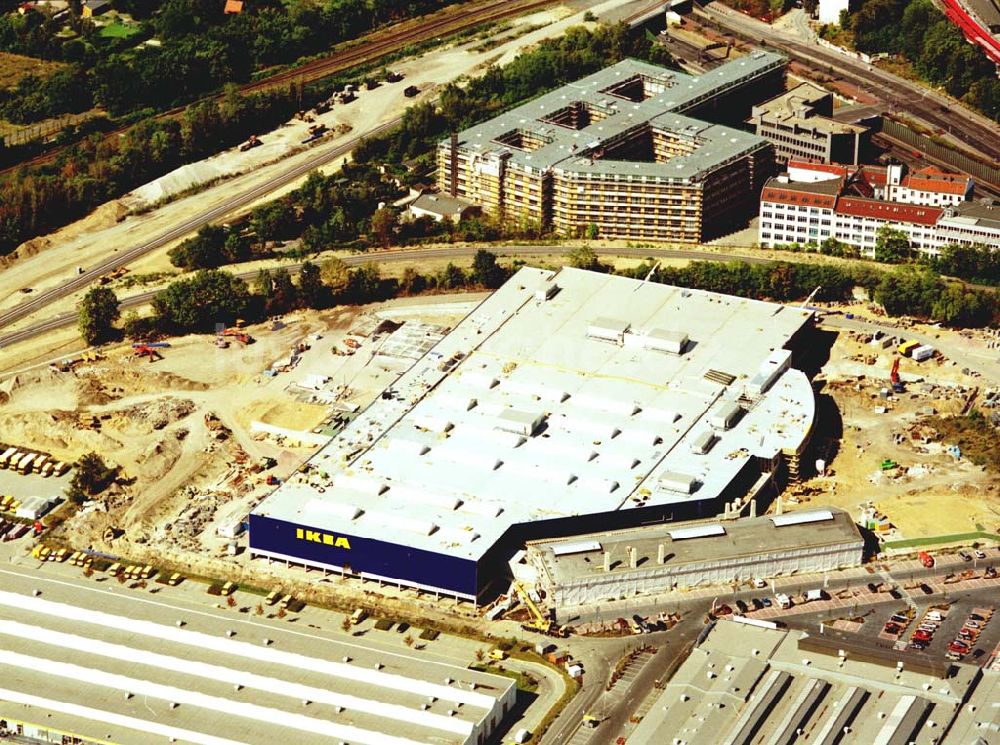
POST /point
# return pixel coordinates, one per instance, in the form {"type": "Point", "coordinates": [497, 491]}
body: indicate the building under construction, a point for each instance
{"type": "Point", "coordinates": [632, 151]}
{"type": "Point", "coordinates": [565, 403]}
{"type": "Point", "coordinates": [651, 559]}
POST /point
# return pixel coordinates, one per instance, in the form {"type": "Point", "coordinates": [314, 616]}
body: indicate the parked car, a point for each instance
{"type": "Point", "coordinates": [965, 556]}
{"type": "Point", "coordinates": [892, 628]}
{"type": "Point", "coordinates": [896, 618]}
{"type": "Point", "coordinates": [402, 626]}
{"type": "Point", "coordinates": [980, 554]}
{"type": "Point", "coordinates": [766, 602]}
{"type": "Point", "coordinates": [758, 582]}
{"type": "Point", "coordinates": [959, 646]}
{"type": "Point", "coordinates": [990, 572]}
{"type": "Point", "coordinates": [976, 617]}
{"type": "Point", "coordinates": [918, 644]}
{"type": "Point", "coordinates": [922, 635]}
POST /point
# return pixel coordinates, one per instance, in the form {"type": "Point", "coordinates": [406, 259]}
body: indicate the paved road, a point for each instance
{"type": "Point", "coordinates": [600, 657]}
{"type": "Point", "coordinates": [920, 102]}
{"type": "Point", "coordinates": [238, 200]}
{"type": "Point", "coordinates": [386, 257]}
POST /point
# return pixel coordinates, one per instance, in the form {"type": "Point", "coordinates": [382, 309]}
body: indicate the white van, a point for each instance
{"type": "Point", "coordinates": [933, 615]}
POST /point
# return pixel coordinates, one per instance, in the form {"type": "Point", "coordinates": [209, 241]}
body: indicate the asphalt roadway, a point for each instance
{"type": "Point", "coordinates": [379, 257]}
{"type": "Point", "coordinates": [189, 226]}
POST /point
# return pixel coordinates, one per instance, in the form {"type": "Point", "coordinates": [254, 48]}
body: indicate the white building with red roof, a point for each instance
{"type": "Point", "coordinates": [814, 202]}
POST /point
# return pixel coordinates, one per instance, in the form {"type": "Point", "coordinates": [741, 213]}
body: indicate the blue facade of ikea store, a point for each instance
{"type": "Point", "coordinates": [383, 558]}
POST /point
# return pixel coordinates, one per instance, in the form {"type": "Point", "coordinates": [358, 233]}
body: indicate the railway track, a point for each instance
{"type": "Point", "coordinates": [446, 22]}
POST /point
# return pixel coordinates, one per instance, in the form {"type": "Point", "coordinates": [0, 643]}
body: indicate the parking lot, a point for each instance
{"type": "Point", "coordinates": [20, 485]}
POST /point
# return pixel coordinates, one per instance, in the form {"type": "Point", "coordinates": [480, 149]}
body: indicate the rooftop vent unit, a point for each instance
{"type": "Point", "coordinates": [524, 423]}
{"type": "Point", "coordinates": [608, 329]}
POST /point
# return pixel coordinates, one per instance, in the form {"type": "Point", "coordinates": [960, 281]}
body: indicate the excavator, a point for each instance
{"type": "Point", "coordinates": [239, 334]}
{"type": "Point", "coordinates": [897, 384]}
{"type": "Point", "coordinates": [144, 350]}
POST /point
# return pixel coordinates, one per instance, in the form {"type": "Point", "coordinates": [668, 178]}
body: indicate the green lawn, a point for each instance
{"type": "Point", "coordinates": [119, 31]}
{"type": "Point", "coordinates": [937, 540]}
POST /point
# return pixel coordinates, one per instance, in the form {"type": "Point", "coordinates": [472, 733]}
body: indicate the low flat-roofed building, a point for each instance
{"type": "Point", "coordinates": [681, 555]}
{"type": "Point", "coordinates": [543, 414]}
{"type": "Point", "coordinates": [799, 125]}
{"type": "Point", "coordinates": [746, 684]}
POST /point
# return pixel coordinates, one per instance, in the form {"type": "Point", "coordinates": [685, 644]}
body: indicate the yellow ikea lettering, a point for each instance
{"type": "Point", "coordinates": [314, 536]}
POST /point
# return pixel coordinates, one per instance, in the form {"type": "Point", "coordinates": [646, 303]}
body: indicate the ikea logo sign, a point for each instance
{"type": "Point", "coordinates": [337, 541]}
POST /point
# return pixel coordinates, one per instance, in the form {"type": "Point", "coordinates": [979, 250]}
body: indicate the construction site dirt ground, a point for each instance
{"type": "Point", "coordinates": [928, 492]}
{"type": "Point", "coordinates": [196, 431]}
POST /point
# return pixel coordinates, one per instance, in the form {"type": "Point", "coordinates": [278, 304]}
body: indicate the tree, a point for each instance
{"type": "Point", "coordinates": [272, 221]}
{"type": "Point", "coordinates": [584, 257]}
{"type": "Point", "coordinates": [486, 271]}
{"type": "Point", "coordinates": [335, 275]}
{"type": "Point", "coordinates": [90, 476]}
{"type": "Point", "coordinates": [97, 314]}
{"type": "Point", "coordinates": [284, 296]}
{"type": "Point", "coordinates": [311, 290]}
{"type": "Point", "coordinates": [412, 282]}
{"type": "Point", "coordinates": [384, 223]}
{"type": "Point", "coordinates": [345, 625]}
{"type": "Point", "coordinates": [364, 284]}
{"type": "Point", "coordinates": [891, 245]}
{"type": "Point", "coordinates": [203, 251]}
{"type": "Point", "coordinates": [408, 640]}
{"type": "Point", "coordinates": [211, 296]}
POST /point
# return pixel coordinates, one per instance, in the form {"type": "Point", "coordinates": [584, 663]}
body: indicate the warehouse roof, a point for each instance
{"type": "Point", "coordinates": [696, 543]}
{"type": "Point", "coordinates": [744, 679]}
{"type": "Point", "coordinates": [575, 128]}
{"type": "Point", "coordinates": [309, 688]}
{"type": "Point", "coordinates": [529, 395]}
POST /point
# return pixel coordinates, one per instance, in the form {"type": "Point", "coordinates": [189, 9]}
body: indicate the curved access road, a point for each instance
{"type": "Point", "coordinates": [379, 257]}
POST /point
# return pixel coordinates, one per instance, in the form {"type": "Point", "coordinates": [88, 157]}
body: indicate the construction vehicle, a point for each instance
{"type": "Point", "coordinates": [926, 559]}
{"type": "Point", "coordinates": [897, 384]}
{"type": "Point", "coordinates": [250, 144]}
{"type": "Point", "coordinates": [24, 465]}
{"type": "Point", "coordinates": [538, 621]}
{"type": "Point", "coordinates": [907, 347]}
{"type": "Point", "coordinates": [108, 278]}
{"type": "Point", "coordinates": [144, 350]}
{"type": "Point", "coordinates": [239, 334]}
{"type": "Point", "coordinates": [592, 721]}
{"type": "Point", "coordinates": [498, 654]}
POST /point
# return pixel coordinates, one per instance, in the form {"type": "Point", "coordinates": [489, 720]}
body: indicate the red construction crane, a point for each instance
{"type": "Point", "coordinates": [897, 385]}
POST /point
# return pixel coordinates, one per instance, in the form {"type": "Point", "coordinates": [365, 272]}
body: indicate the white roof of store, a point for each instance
{"type": "Point", "coordinates": [615, 417]}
